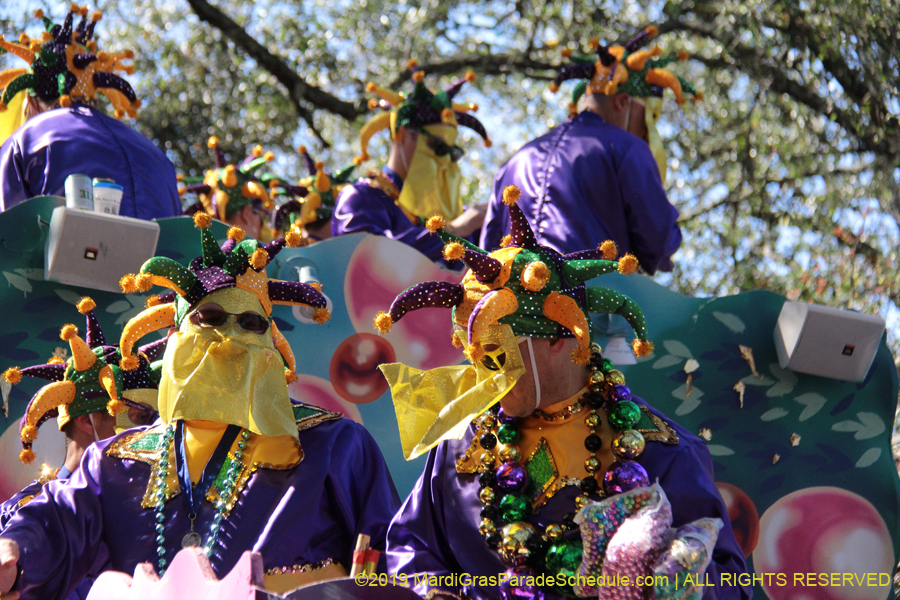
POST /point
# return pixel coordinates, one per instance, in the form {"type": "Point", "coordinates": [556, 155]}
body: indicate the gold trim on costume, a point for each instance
{"type": "Point", "coordinates": [663, 433]}
{"type": "Point", "coordinates": [562, 414]}
{"type": "Point", "coordinates": [281, 580]}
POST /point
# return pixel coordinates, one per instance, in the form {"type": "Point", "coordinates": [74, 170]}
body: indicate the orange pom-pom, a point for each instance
{"type": "Point", "coordinates": [236, 233]}
{"type": "Point", "coordinates": [594, 43]}
{"type": "Point", "coordinates": [259, 259]}
{"type": "Point", "coordinates": [418, 76]}
{"type": "Point", "coordinates": [511, 195]}
{"type": "Point", "coordinates": [372, 104]}
{"type": "Point", "coordinates": [86, 305]}
{"type": "Point", "coordinates": [435, 223]}
{"type": "Point", "coordinates": [474, 353]}
{"type": "Point", "coordinates": [127, 284]}
{"type": "Point", "coordinates": [143, 282]}
{"type": "Point", "coordinates": [316, 285]}
{"type": "Point", "coordinates": [370, 87]}
{"type": "Point", "coordinates": [358, 159]}
{"type": "Point", "coordinates": [383, 322]}
{"type": "Point", "coordinates": [152, 300]}
{"type": "Point", "coordinates": [535, 276]}
{"type": "Point", "coordinates": [470, 76]}
{"type": "Point", "coordinates": [68, 332]}
{"type": "Point", "coordinates": [23, 38]}
{"type": "Point", "coordinates": [12, 375]}
{"type": "Point", "coordinates": [505, 241]}
{"type": "Point", "coordinates": [114, 407]}
{"type": "Point", "coordinates": [269, 156]}
{"type": "Point", "coordinates": [581, 355]}
{"type": "Point", "coordinates": [609, 250]}
{"type": "Point", "coordinates": [55, 360]}
{"type": "Point", "coordinates": [454, 251]}
{"type": "Point", "coordinates": [321, 316]}
{"type": "Point", "coordinates": [488, 143]}
{"type": "Point", "coordinates": [2, 106]}
{"type": "Point", "coordinates": [290, 376]}
{"type": "Point", "coordinates": [212, 142]}
{"type": "Point", "coordinates": [682, 55]}
{"type": "Point", "coordinates": [641, 347]}
{"type": "Point", "coordinates": [65, 101]}
{"type": "Point", "coordinates": [447, 115]}
{"type": "Point", "coordinates": [652, 30]}
{"type": "Point", "coordinates": [628, 264]}
{"type": "Point", "coordinates": [554, 87]}
{"type": "Point", "coordinates": [257, 151]}
{"type": "Point", "coordinates": [412, 64]}
{"type": "Point", "coordinates": [39, 14]}
{"type": "Point", "coordinates": [29, 433]}
{"type": "Point", "coordinates": [130, 363]}
{"type": "Point", "coordinates": [26, 456]}
{"type": "Point", "coordinates": [566, 52]}
{"type": "Point", "coordinates": [96, 17]}
{"type": "Point", "coordinates": [293, 238]}
{"type": "Point", "coordinates": [202, 220]}
{"type": "Point", "coordinates": [301, 149]}
{"type": "Point", "coordinates": [457, 343]}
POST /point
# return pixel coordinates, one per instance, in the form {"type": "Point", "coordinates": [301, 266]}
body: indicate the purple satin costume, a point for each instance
{"type": "Point", "coordinates": [436, 530]}
{"type": "Point", "coordinates": [586, 182]}
{"type": "Point", "coordinates": [299, 516]}
{"type": "Point", "coordinates": [363, 208]}
{"type": "Point", "coordinates": [39, 155]}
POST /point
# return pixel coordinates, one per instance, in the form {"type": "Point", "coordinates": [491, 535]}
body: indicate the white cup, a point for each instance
{"type": "Point", "coordinates": [107, 197]}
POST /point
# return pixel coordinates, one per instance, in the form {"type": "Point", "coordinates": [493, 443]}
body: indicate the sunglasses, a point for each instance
{"type": "Point", "coordinates": [211, 315]}
{"type": "Point", "coordinates": [442, 148]}
{"type": "Point", "coordinates": [140, 414]}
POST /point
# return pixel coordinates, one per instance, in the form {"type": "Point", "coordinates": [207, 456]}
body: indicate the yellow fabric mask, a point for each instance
{"type": "Point", "coordinates": [432, 184]}
{"type": "Point", "coordinates": [13, 117]}
{"type": "Point", "coordinates": [439, 404]}
{"type": "Point", "coordinates": [204, 365]}
{"type": "Point", "coordinates": [652, 111]}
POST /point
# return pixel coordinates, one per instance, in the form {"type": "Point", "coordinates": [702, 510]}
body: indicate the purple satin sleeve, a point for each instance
{"type": "Point", "coordinates": [9, 508]}
{"type": "Point", "coordinates": [60, 532]}
{"type": "Point", "coordinates": [37, 158]}
{"type": "Point", "coordinates": [363, 208]}
{"type": "Point", "coordinates": [586, 182]}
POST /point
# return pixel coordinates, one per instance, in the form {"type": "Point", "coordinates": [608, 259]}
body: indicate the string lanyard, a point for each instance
{"type": "Point", "coordinates": [193, 495]}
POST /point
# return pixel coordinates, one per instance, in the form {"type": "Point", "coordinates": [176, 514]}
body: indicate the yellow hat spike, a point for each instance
{"type": "Point", "coordinates": [394, 98]}
{"type": "Point", "coordinates": [500, 304]}
{"type": "Point", "coordinates": [565, 311]}
{"type": "Point", "coordinates": [379, 123]}
{"type": "Point", "coordinates": [152, 319]}
{"type": "Point", "coordinates": [83, 358]}
{"type": "Point", "coordinates": [50, 396]}
{"type": "Point", "coordinates": [284, 348]}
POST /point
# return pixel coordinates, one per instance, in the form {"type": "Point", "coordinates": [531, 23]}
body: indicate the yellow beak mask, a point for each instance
{"type": "Point", "coordinates": [432, 183]}
{"type": "Point", "coordinates": [439, 404]}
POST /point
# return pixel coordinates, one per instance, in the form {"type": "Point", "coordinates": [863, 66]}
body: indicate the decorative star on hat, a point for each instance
{"type": "Point", "coordinates": [423, 107]}
{"type": "Point", "coordinates": [64, 63]}
{"type": "Point", "coordinates": [239, 263]}
{"type": "Point", "coordinates": [317, 194]}
{"type": "Point", "coordinates": [533, 288]}
{"type": "Point", "coordinates": [628, 69]}
{"type": "Point", "coordinates": [228, 188]}
{"type": "Point", "coordinates": [90, 381]}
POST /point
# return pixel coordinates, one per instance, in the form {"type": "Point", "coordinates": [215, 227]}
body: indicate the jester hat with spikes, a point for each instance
{"type": "Point", "coordinates": [534, 289]}
{"type": "Point", "coordinates": [89, 381]}
{"type": "Point", "coordinates": [238, 263]}
{"type": "Point", "coordinates": [318, 193]}
{"type": "Point", "coordinates": [228, 188]}
{"type": "Point", "coordinates": [422, 107]}
{"type": "Point", "coordinates": [629, 68]}
{"type": "Point", "coordinates": [64, 63]}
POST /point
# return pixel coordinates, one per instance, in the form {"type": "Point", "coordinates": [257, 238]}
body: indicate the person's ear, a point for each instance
{"type": "Point", "coordinates": [83, 424]}
{"type": "Point", "coordinates": [620, 100]}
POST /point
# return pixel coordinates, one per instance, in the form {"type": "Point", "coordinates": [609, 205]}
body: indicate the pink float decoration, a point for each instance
{"type": "Point", "coordinates": [813, 533]}
{"type": "Point", "coordinates": [318, 392]}
{"type": "Point", "coordinates": [743, 515]}
{"type": "Point", "coordinates": [354, 367]}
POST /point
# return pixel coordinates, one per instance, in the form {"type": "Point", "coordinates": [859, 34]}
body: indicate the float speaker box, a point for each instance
{"type": "Point", "coordinates": [825, 341]}
{"type": "Point", "coordinates": [94, 250]}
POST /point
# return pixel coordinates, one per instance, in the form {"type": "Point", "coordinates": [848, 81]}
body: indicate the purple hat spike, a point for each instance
{"type": "Point", "coordinates": [81, 29]}
{"type": "Point", "coordinates": [294, 292]}
{"type": "Point", "coordinates": [221, 163]}
{"type": "Point", "coordinates": [229, 245]}
{"type": "Point", "coordinates": [607, 58]}
{"type": "Point", "coordinates": [310, 163]}
{"type": "Point", "coordinates": [519, 229]}
{"type": "Point", "coordinates": [113, 81]}
{"type": "Point", "coordinates": [65, 34]}
{"type": "Point", "coordinates": [93, 336]}
{"type": "Point", "coordinates": [454, 89]}
{"type": "Point", "coordinates": [423, 117]}
{"type": "Point", "coordinates": [579, 71]}
{"type": "Point", "coordinates": [594, 254]}
{"type": "Point", "coordinates": [82, 61]}
{"type": "Point", "coordinates": [428, 294]}
{"type": "Point", "coordinates": [472, 123]}
{"type": "Point", "coordinates": [154, 350]}
{"type": "Point", "coordinates": [286, 209]}
{"type": "Point", "coordinates": [483, 266]}
{"type": "Point", "coordinates": [641, 39]}
{"type": "Point", "coordinates": [198, 188]}
{"type": "Point", "coordinates": [49, 372]}
{"type": "Point", "coordinates": [89, 32]}
{"type": "Point", "coordinates": [273, 248]}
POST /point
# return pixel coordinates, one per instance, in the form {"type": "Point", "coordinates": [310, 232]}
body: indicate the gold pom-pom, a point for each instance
{"type": "Point", "coordinates": [358, 159]}
{"type": "Point", "coordinates": [412, 64]}
{"type": "Point", "coordinates": [237, 234]}
{"type": "Point", "coordinates": [12, 375]}
{"type": "Point", "coordinates": [418, 76]}
{"type": "Point", "coordinates": [535, 276]}
{"type": "Point", "coordinates": [457, 343]}
{"type": "Point", "coordinates": [301, 149]}
{"type": "Point", "coordinates": [96, 17]}
{"type": "Point", "coordinates": [55, 360]}
{"type": "Point", "coordinates": [447, 115]}
{"type": "Point", "coordinates": [23, 38]}
{"type": "Point", "coordinates": [372, 104]}
{"type": "Point", "coordinates": [511, 195]}
{"type": "Point", "coordinates": [202, 220]}
{"type": "Point", "coordinates": [435, 223]}
{"type": "Point", "coordinates": [130, 363]}
{"type": "Point", "coordinates": [594, 43]}
{"type": "Point", "coordinates": [554, 87]}
{"type": "Point", "coordinates": [212, 142]}
{"type": "Point", "coordinates": [470, 76]}
{"type": "Point", "coordinates": [293, 238]}
{"type": "Point", "coordinates": [86, 305]}
{"type": "Point", "coordinates": [505, 241]}
{"type": "Point", "coordinates": [609, 250]}
{"type": "Point", "coordinates": [566, 53]}
{"type": "Point", "coordinates": [290, 376]}
{"type": "Point", "coordinates": [114, 407]}
{"type": "Point", "coordinates": [143, 282]}
{"type": "Point", "coordinates": [65, 101]}
{"type": "Point", "coordinates": [257, 151]}
{"type": "Point", "coordinates": [474, 353]}
{"type": "Point", "coordinates": [26, 456]}
{"type": "Point", "coordinates": [127, 284]}
{"type": "Point", "coordinates": [29, 433]}
{"type": "Point", "coordinates": [682, 55]}
{"type": "Point", "coordinates": [269, 156]}
{"type": "Point", "coordinates": [383, 322]}
{"type": "Point", "coordinates": [581, 355]}
{"type": "Point", "coordinates": [321, 316]}
{"type": "Point", "coordinates": [259, 259]}
{"type": "Point", "coordinates": [641, 348]}
{"type": "Point", "coordinates": [488, 143]}
{"type": "Point", "coordinates": [39, 14]}
{"type": "Point", "coordinates": [68, 332]}
{"type": "Point", "coordinates": [370, 87]}
{"type": "Point", "coordinates": [152, 300]}
{"type": "Point", "coordinates": [628, 264]}
{"type": "Point", "coordinates": [454, 251]}
{"type": "Point", "coordinates": [315, 285]}
{"type": "Point", "coordinates": [652, 30]}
